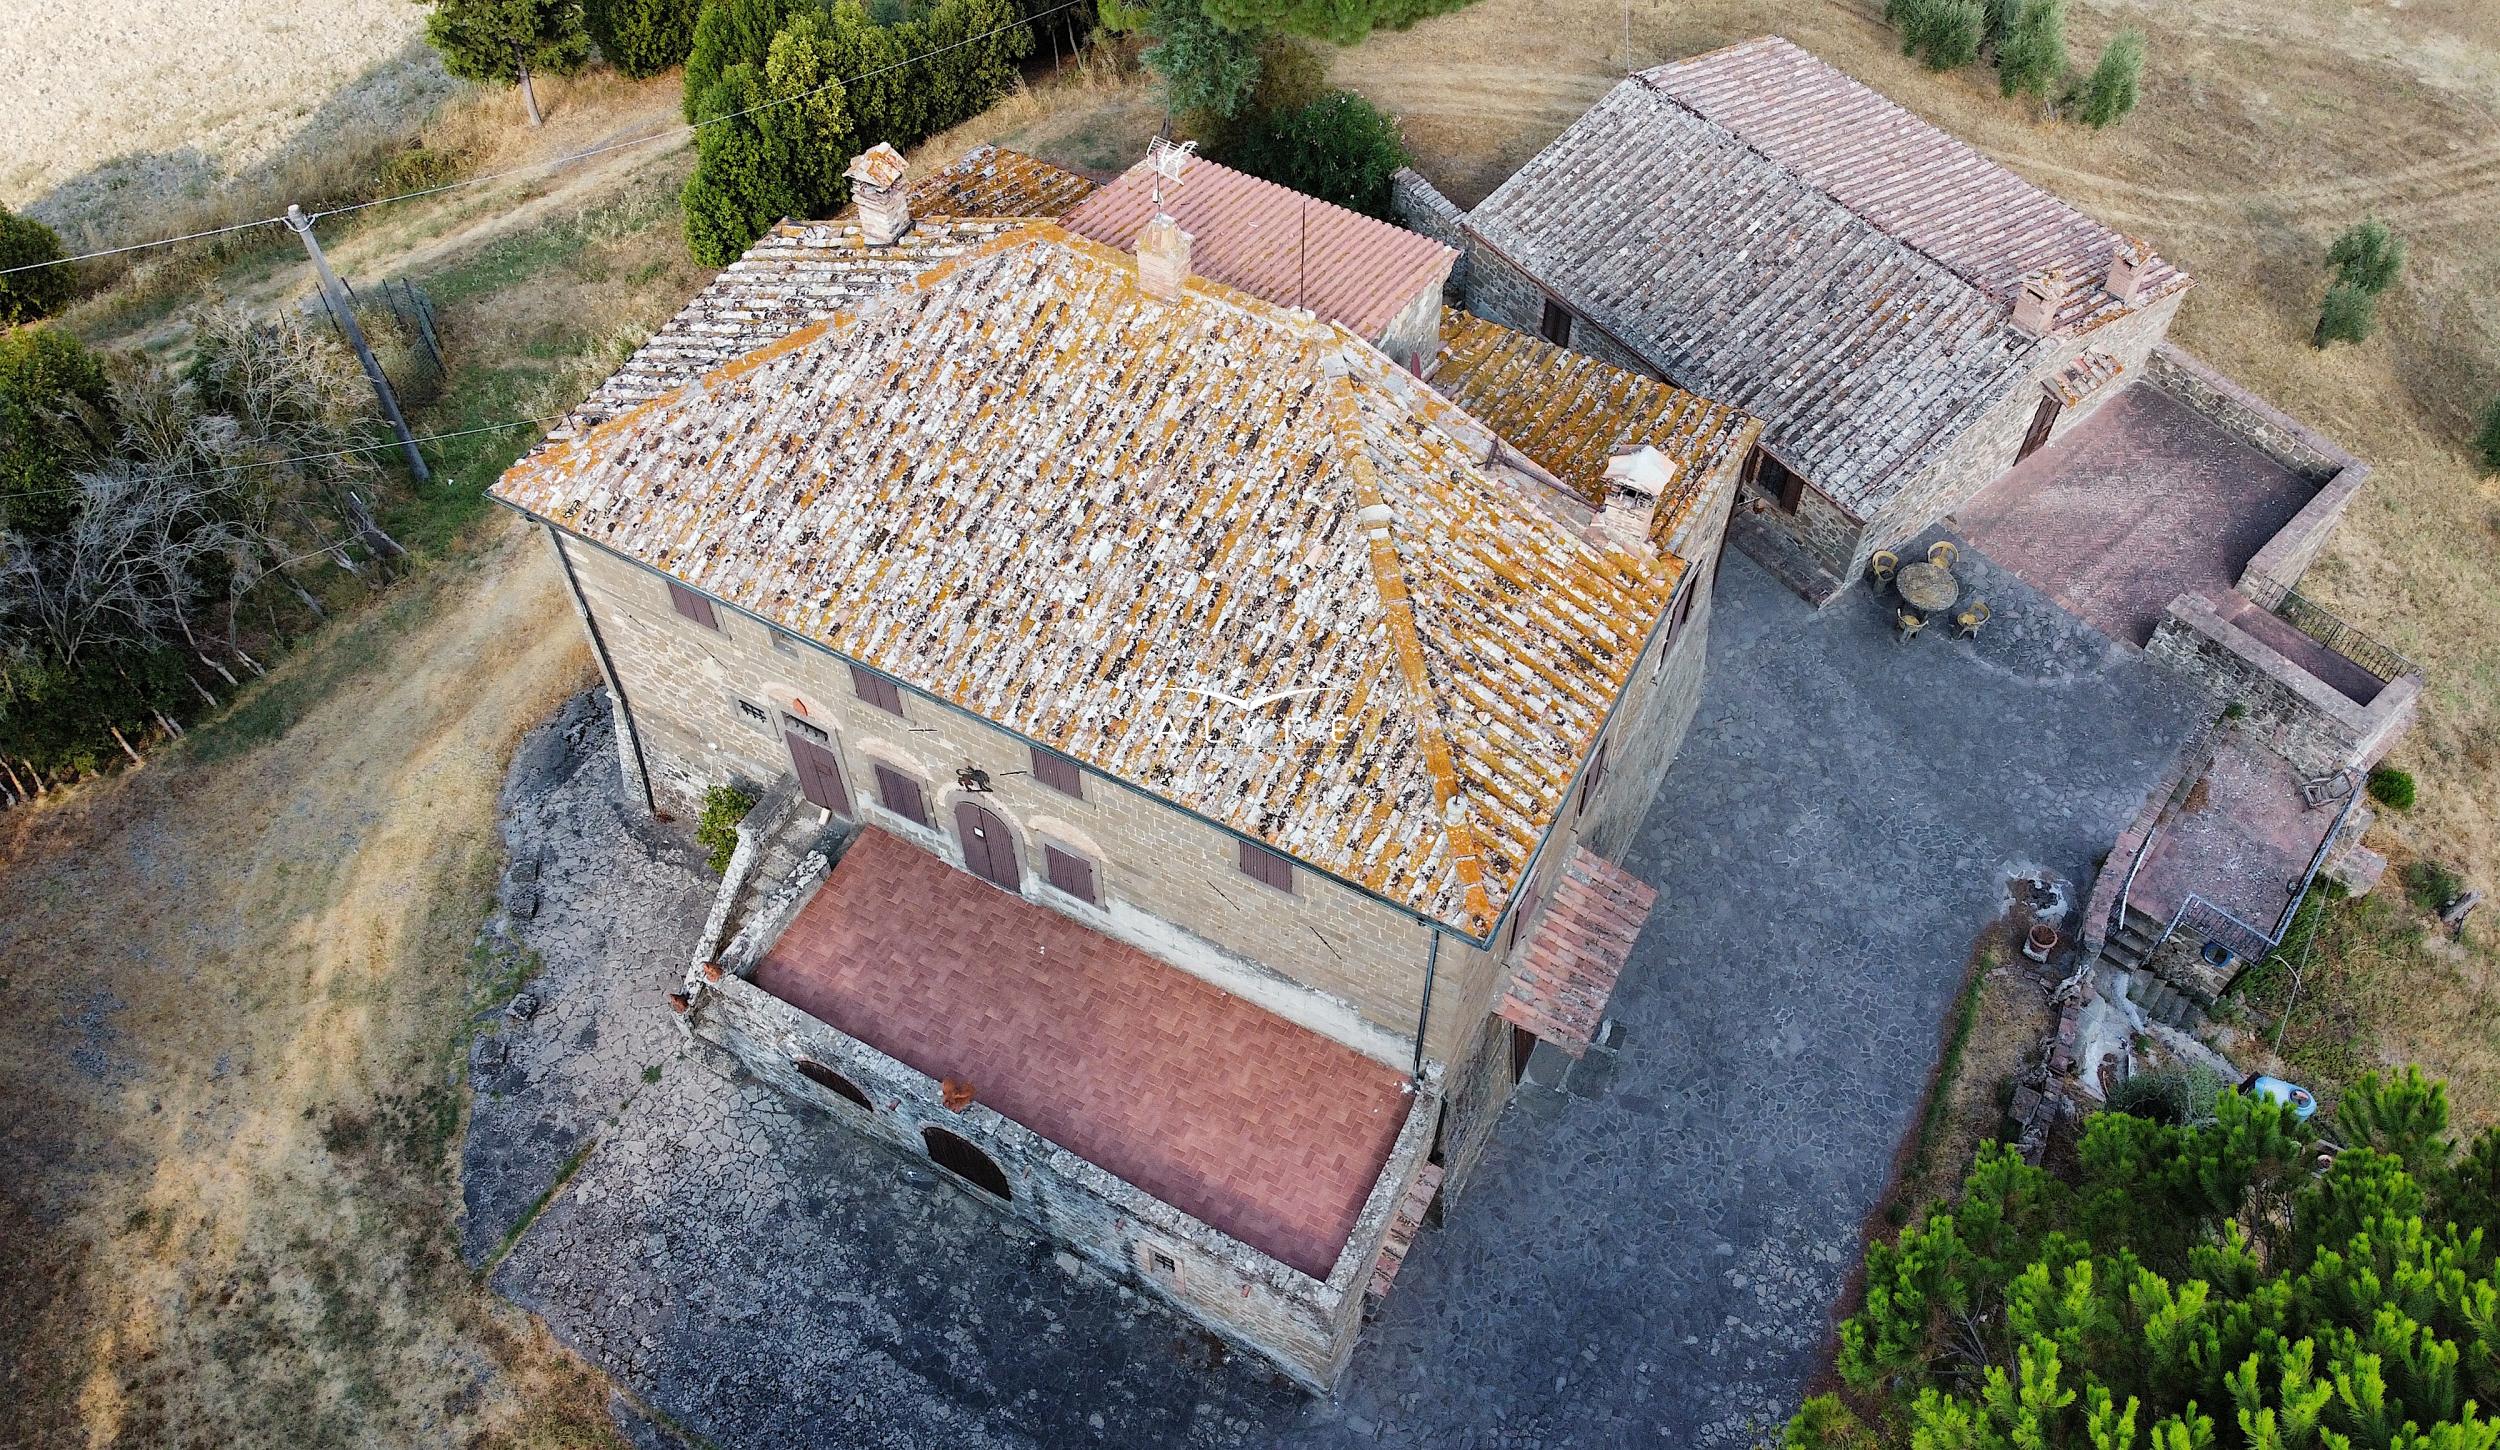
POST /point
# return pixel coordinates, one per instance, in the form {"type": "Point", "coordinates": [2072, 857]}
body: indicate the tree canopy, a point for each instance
{"type": "Point", "coordinates": [2194, 1287]}
{"type": "Point", "coordinates": [2110, 93]}
{"type": "Point", "coordinates": [642, 37]}
{"type": "Point", "coordinates": [39, 291]}
{"type": "Point", "coordinates": [1337, 147]}
{"type": "Point", "coordinates": [503, 42]}
{"type": "Point", "coordinates": [2031, 55]}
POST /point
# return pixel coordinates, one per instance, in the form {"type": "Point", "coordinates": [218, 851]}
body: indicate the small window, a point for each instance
{"type": "Point", "coordinates": [1164, 1263]}
{"type": "Point", "coordinates": [799, 727]}
{"type": "Point", "coordinates": [902, 795]}
{"type": "Point", "coordinates": [833, 1082]}
{"type": "Point", "coordinates": [1071, 873]}
{"type": "Point", "coordinates": [692, 605]}
{"type": "Point", "coordinates": [1596, 774]}
{"type": "Point", "coordinates": [1263, 865]}
{"type": "Point", "coordinates": [784, 643]}
{"type": "Point", "coordinates": [1555, 325]}
{"type": "Point", "coordinates": [755, 715]}
{"type": "Point", "coordinates": [877, 690]}
{"type": "Point", "coordinates": [1773, 477]}
{"type": "Point", "coordinates": [1058, 772]}
{"type": "Point", "coordinates": [965, 1161]}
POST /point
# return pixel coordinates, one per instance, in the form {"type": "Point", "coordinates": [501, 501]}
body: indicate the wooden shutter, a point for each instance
{"type": "Point", "coordinates": [1260, 864]}
{"type": "Point", "coordinates": [692, 605]}
{"type": "Point", "coordinates": [877, 690]}
{"type": "Point", "coordinates": [1596, 773]}
{"type": "Point", "coordinates": [1058, 772]}
{"type": "Point", "coordinates": [902, 796]}
{"type": "Point", "coordinates": [1070, 873]}
{"type": "Point", "coordinates": [1555, 325]}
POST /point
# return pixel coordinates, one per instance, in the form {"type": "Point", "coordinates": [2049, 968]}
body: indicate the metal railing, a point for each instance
{"type": "Point", "coordinates": [2321, 624]}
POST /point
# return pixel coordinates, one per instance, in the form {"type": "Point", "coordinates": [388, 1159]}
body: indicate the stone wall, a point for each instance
{"type": "Point", "coordinates": [1809, 549]}
{"type": "Point", "coordinates": [2246, 416]}
{"type": "Point", "coordinates": [1419, 206]}
{"type": "Point", "coordinates": [1414, 335]}
{"type": "Point", "coordinates": [1474, 1100]}
{"type": "Point", "coordinates": [1305, 1326]}
{"type": "Point", "coordinates": [1500, 291]}
{"type": "Point", "coordinates": [2295, 714]}
{"type": "Point", "coordinates": [2296, 545]}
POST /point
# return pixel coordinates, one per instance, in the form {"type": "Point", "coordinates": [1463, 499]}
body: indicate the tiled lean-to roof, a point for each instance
{"type": "Point", "coordinates": [989, 181]}
{"type": "Point", "coordinates": [1274, 242]}
{"type": "Point", "coordinates": [1738, 280]}
{"type": "Point", "coordinates": [1907, 178]}
{"type": "Point", "coordinates": [1569, 412]}
{"type": "Point", "coordinates": [1020, 483]}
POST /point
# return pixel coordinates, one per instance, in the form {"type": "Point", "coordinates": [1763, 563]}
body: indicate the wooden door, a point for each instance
{"type": "Point", "coordinates": [820, 775]}
{"type": "Point", "coordinates": [2042, 420]}
{"type": "Point", "coordinates": [988, 850]}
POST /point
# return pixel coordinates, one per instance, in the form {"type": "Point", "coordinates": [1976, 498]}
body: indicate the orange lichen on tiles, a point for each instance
{"type": "Point", "coordinates": [1087, 515]}
{"type": "Point", "coordinates": [991, 181]}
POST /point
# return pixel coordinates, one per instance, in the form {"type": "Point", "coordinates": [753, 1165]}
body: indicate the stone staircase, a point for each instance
{"type": "Point", "coordinates": [2161, 1001]}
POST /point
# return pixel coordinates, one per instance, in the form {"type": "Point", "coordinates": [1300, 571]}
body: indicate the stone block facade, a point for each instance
{"type": "Point", "coordinates": [1305, 1326]}
{"type": "Point", "coordinates": [2295, 714]}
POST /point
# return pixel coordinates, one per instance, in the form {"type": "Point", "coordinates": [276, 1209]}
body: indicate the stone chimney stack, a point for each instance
{"type": "Point", "coordinates": [877, 190]}
{"type": "Point", "coordinates": [2127, 266]}
{"type": "Point", "coordinates": [1162, 258]}
{"type": "Point", "coordinates": [1636, 478]}
{"type": "Point", "coordinates": [2036, 305]}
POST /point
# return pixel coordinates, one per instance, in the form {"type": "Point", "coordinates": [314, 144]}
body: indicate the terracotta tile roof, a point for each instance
{"type": "Point", "coordinates": [1910, 179]}
{"type": "Point", "coordinates": [2090, 372]}
{"type": "Point", "coordinates": [1021, 484]}
{"type": "Point", "coordinates": [1274, 242]}
{"type": "Point", "coordinates": [988, 181]}
{"type": "Point", "coordinates": [1568, 412]}
{"type": "Point", "coordinates": [1563, 976]}
{"type": "Point", "coordinates": [1730, 275]}
{"type": "Point", "coordinates": [1256, 1127]}
{"type": "Point", "coordinates": [799, 273]}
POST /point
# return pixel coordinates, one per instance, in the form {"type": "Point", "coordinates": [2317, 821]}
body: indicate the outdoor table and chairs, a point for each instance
{"type": "Point", "coordinates": [1926, 588]}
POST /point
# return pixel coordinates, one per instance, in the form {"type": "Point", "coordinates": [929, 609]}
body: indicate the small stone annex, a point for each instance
{"type": "Point", "coordinates": [1189, 743]}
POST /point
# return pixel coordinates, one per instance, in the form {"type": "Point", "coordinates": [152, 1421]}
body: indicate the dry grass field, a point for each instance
{"type": "Point", "coordinates": [224, 1196]}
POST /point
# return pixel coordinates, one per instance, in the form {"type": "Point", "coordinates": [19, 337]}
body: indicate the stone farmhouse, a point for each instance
{"type": "Point", "coordinates": [1908, 318]}
{"type": "Point", "coordinates": [1189, 743]}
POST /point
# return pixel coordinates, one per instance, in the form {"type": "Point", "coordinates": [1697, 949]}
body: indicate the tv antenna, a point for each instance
{"type": "Point", "coordinates": [1168, 159]}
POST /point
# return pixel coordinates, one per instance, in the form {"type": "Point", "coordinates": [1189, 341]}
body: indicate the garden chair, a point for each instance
{"type": "Point", "coordinates": [1966, 624]}
{"type": "Point", "coordinates": [1881, 566]}
{"type": "Point", "coordinates": [1907, 624]}
{"type": "Point", "coordinates": [1942, 554]}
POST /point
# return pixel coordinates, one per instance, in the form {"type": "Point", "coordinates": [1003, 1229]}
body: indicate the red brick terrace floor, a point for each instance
{"type": "Point", "coordinates": [2242, 840]}
{"type": "Point", "coordinates": [2142, 501]}
{"type": "Point", "coordinates": [1262, 1129]}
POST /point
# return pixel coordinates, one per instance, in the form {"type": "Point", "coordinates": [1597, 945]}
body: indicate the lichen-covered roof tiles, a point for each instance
{"type": "Point", "coordinates": [1274, 242]}
{"type": "Point", "coordinates": [1569, 412]}
{"type": "Point", "coordinates": [1022, 484]}
{"type": "Point", "coordinates": [990, 181]}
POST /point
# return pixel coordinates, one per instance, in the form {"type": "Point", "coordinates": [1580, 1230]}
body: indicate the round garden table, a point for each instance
{"type": "Point", "coordinates": [1927, 588]}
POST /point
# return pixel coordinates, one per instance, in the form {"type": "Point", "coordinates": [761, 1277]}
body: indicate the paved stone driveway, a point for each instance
{"type": "Point", "coordinates": [1648, 1255]}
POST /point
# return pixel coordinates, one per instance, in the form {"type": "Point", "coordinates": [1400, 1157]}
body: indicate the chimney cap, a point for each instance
{"type": "Point", "coordinates": [1641, 470]}
{"type": "Point", "coordinates": [880, 166]}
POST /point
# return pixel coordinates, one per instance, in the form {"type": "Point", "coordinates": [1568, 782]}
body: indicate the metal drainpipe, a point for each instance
{"type": "Point", "coordinates": [607, 671]}
{"type": "Point", "coordinates": [1423, 1018]}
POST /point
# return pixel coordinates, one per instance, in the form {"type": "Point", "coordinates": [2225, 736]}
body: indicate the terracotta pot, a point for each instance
{"type": "Point", "coordinates": [2041, 941]}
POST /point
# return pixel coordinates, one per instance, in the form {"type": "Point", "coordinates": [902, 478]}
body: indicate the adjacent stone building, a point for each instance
{"type": "Point", "coordinates": [1908, 318]}
{"type": "Point", "coordinates": [1190, 743]}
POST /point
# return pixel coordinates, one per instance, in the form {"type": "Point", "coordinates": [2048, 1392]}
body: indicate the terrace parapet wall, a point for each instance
{"type": "Point", "coordinates": [1306, 1327]}
{"type": "Point", "coordinates": [2300, 717]}
{"type": "Point", "coordinates": [2281, 437]}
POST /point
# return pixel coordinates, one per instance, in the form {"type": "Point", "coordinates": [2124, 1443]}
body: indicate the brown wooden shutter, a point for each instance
{"type": "Point", "coordinates": [1058, 772]}
{"type": "Point", "coordinates": [902, 796]}
{"type": "Point", "coordinates": [692, 605]}
{"type": "Point", "coordinates": [1070, 873]}
{"type": "Point", "coordinates": [877, 690]}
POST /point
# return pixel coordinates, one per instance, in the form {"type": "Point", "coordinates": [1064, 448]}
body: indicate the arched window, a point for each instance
{"type": "Point", "coordinates": [834, 1082]}
{"type": "Point", "coordinates": [966, 1162]}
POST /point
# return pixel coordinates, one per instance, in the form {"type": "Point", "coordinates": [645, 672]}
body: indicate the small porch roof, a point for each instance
{"type": "Point", "coordinates": [1567, 970]}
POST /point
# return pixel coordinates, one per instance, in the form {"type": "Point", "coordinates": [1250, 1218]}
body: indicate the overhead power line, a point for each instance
{"type": "Point", "coordinates": [683, 128]}
{"type": "Point", "coordinates": [310, 457]}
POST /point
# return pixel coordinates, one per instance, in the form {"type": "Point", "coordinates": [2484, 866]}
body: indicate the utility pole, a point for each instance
{"type": "Point", "coordinates": [334, 293]}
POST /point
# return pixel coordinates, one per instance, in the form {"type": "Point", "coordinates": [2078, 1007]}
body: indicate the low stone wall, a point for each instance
{"type": "Point", "coordinates": [2296, 545]}
{"type": "Point", "coordinates": [2246, 416]}
{"type": "Point", "coordinates": [1304, 1326]}
{"type": "Point", "coordinates": [1419, 206]}
{"type": "Point", "coordinates": [2300, 717]}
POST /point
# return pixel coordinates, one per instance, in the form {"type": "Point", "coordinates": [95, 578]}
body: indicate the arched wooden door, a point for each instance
{"type": "Point", "coordinates": [988, 849]}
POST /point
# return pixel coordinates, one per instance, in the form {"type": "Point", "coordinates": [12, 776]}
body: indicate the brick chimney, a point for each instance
{"type": "Point", "coordinates": [877, 190]}
{"type": "Point", "coordinates": [2127, 266]}
{"type": "Point", "coordinates": [1162, 258]}
{"type": "Point", "coordinates": [1636, 478]}
{"type": "Point", "coordinates": [2036, 305]}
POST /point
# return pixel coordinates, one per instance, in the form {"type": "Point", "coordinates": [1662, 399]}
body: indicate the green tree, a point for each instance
{"type": "Point", "coordinates": [2110, 93]}
{"type": "Point", "coordinates": [2487, 438]}
{"type": "Point", "coordinates": [2031, 59]}
{"type": "Point", "coordinates": [52, 402]}
{"type": "Point", "coordinates": [38, 291]}
{"type": "Point", "coordinates": [500, 42]}
{"type": "Point", "coordinates": [2367, 256]}
{"type": "Point", "coordinates": [1996, 19]}
{"type": "Point", "coordinates": [1208, 68]}
{"type": "Point", "coordinates": [1943, 34]}
{"type": "Point", "coordinates": [2345, 316]}
{"type": "Point", "coordinates": [1338, 148]}
{"type": "Point", "coordinates": [1340, 22]}
{"type": "Point", "coordinates": [727, 33]}
{"type": "Point", "coordinates": [642, 37]}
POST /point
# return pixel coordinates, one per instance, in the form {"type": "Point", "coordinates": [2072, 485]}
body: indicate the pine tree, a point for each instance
{"type": "Point", "coordinates": [2031, 59]}
{"type": "Point", "coordinates": [642, 37]}
{"type": "Point", "coordinates": [2109, 95]}
{"type": "Point", "coordinates": [501, 42]}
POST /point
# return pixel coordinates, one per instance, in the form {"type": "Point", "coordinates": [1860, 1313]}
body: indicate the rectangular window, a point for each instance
{"type": "Point", "coordinates": [1058, 772]}
{"type": "Point", "coordinates": [1596, 774]}
{"type": "Point", "coordinates": [1071, 873]}
{"type": "Point", "coordinates": [753, 714]}
{"type": "Point", "coordinates": [902, 795]}
{"type": "Point", "coordinates": [877, 690]}
{"type": "Point", "coordinates": [692, 605]}
{"type": "Point", "coordinates": [1263, 865]}
{"type": "Point", "coordinates": [1555, 325]}
{"type": "Point", "coordinates": [798, 726]}
{"type": "Point", "coordinates": [1773, 477]}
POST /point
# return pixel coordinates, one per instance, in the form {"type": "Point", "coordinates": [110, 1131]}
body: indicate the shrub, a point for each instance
{"type": "Point", "coordinates": [2179, 1096]}
{"type": "Point", "coordinates": [2392, 787]}
{"type": "Point", "coordinates": [2109, 94]}
{"type": "Point", "coordinates": [1339, 22]}
{"type": "Point", "coordinates": [52, 399]}
{"type": "Point", "coordinates": [727, 33]}
{"type": "Point", "coordinates": [2345, 316]}
{"type": "Point", "coordinates": [2487, 438]}
{"type": "Point", "coordinates": [2367, 257]}
{"type": "Point", "coordinates": [2031, 59]}
{"type": "Point", "coordinates": [724, 806]}
{"type": "Point", "coordinates": [642, 37]}
{"type": "Point", "coordinates": [25, 296]}
{"type": "Point", "coordinates": [1338, 148]}
{"type": "Point", "coordinates": [1207, 68]}
{"type": "Point", "coordinates": [2430, 886]}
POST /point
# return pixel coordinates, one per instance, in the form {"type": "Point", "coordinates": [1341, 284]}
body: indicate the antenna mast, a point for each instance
{"type": "Point", "coordinates": [1168, 160]}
